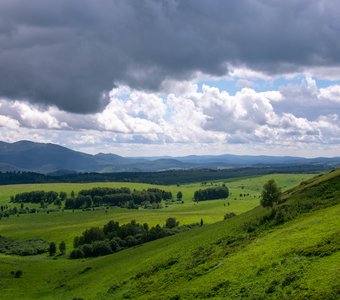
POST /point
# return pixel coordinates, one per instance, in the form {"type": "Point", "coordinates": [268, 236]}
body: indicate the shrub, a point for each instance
{"type": "Point", "coordinates": [62, 247]}
{"type": "Point", "coordinates": [100, 248]}
{"type": "Point", "coordinates": [77, 253]}
{"type": "Point", "coordinates": [18, 274]}
{"type": "Point", "coordinates": [52, 249]}
{"type": "Point", "coordinates": [229, 215]}
{"type": "Point", "coordinates": [171, 223]}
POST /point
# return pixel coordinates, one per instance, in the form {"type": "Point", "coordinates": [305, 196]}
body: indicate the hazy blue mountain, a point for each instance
{"type": "Point", "coordinates": [44, 158]}
{"type": "Point", "coordinates": [51, 158]}
{"type": "Point", "coordinates": [247, 160]}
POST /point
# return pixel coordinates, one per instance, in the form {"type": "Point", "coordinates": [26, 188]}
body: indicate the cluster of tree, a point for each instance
{"type": "Point", "coordinates": [220, 192]}
{"type": "Point", "coordinates": [122, 197]}
{"type": "Point", "coordinates": [114, 237]}
{"type": "Point", "coordinates": [39, 197]}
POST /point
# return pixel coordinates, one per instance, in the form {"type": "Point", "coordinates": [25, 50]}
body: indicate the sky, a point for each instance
{"type": "Point", "coordinates": [171, 77]}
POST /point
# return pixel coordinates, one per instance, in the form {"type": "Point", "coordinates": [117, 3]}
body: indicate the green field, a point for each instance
{"type": "Point", "coordinates": [219, 260]}
{"type": "Point", "coordinates": [58, 226]}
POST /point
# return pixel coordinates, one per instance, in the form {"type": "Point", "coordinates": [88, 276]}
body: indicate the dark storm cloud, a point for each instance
{"type": "Point", "coordinates": [69, 52]}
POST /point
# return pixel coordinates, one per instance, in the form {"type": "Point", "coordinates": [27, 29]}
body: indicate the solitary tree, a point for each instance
{"type": "Point", "coordinates": [179, 195]}
{"type": "Point", "coordinates": [52, 249]}
{"type": "Point", "coordinates": [62, 247]}
{"type": "Point", "coordinates": [271, 193]}
{"type": "Point", "coordinates": [201, 223]}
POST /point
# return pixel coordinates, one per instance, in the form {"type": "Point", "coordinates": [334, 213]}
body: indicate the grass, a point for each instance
{"type": "Point", "coordinates": [220, 260]}
{"type": "Point", "coordinates": [64, 226]}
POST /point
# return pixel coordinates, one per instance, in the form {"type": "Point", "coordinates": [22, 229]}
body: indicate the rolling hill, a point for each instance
{"type": "Point", "coordinates": [52, 158]}
{"type": "Point", "coordinates": [289, 252]}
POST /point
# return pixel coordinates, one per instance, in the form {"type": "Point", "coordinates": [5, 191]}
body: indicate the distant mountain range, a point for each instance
{"type": "Point", "coordinates": [55, 159]}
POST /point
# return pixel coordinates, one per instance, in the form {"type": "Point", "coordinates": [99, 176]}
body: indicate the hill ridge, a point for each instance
{"type": "Point", "coordinates": [47, 157]}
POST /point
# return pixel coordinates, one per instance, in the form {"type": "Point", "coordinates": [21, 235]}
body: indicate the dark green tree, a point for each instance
{"type": "Point", "coordinates": [62, 247]}
{"type": "Point", "coordinates": [171, 222]}
{"type": "Point", "coordinates": [271, 193]}
{"type": "Point", "coordinates": [62, 196]}
{"type": "Point", "coordinates": [179, 195]}
{"type": "Point", "coordinates": [52, 249]}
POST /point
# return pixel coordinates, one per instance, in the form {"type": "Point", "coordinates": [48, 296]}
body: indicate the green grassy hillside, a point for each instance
{"type": "Point", "coordinates": [58, 226]}
{"type": "Point", "coordinates": [291, 252]}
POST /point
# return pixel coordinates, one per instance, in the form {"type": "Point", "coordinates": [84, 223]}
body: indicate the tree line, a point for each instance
{"type": "Point", "coordinates": [38, 197]}
{"type": "Point", "coordinates": [97, 196]}
{"type": "Point", "coordinates": [122, 197]}
{"type": "Point", "coordinates": [164, 177]}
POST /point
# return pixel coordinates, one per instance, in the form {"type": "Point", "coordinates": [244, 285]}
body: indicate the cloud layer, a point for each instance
{"type": "Point", "coordinates": [70, 54]}
{"type": "Point", "coordinates": [188, 117]}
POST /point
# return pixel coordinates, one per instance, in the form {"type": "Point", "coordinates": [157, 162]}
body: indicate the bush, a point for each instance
{"type": "Point", "coordinates": [171, 223]}
{"type": "Point", "coordinates": [115, 245]}
{"type": "Point", "coordinates": [100, 248]}
{"type": "Point", "coordinates": [229, 215]}
{"type": "Point", "coordinates": [87, 250]}
{"type": "Point", "coordinates": [52, 249]}
{"type": "Point", "coordinates": [18, 274]}
{"type": "Point", "coordinates": [62, 247]}
{"type": "Point", "coordinates": [77, 253]}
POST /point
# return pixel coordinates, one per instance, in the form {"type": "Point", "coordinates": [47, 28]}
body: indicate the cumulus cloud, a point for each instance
{"type": "Point", "coordinates": [71, 53]}
{"type": "Point", "coordinates": [27, 115]}
{"type": "Point", "coordinates": [297, 115]}
{"type": "Point", "coordinates": [308, 101]}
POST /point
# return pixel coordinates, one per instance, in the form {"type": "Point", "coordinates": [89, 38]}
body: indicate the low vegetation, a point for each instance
{"type": "Point", "coordinates": [23, 247]}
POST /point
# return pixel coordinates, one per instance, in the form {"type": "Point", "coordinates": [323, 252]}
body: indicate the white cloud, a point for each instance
{"type": "Point", "coordinates": [246, 73]}
{"type": "Point", "coordinates": [297, 115]}
{"type": "Point", "coordinates": [28, 115]}
{"type": "Point", "coordinates": [8, 122]}
{"type": "Point", "coordinates": [331, 93]}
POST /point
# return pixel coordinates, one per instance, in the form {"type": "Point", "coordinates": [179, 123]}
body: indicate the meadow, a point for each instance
{"type": "Point", "coordinates": [219, 260]}
{"type": "Point", "coordinates": [64, 226]}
